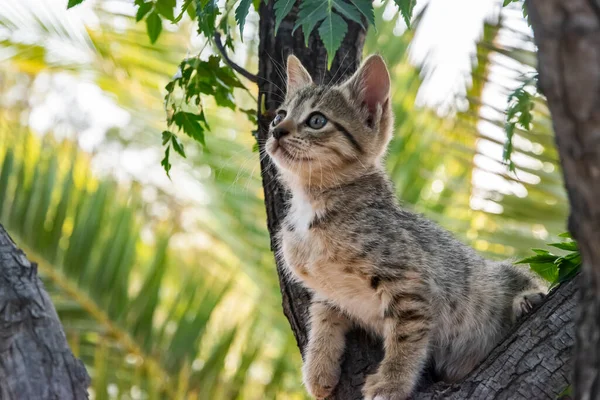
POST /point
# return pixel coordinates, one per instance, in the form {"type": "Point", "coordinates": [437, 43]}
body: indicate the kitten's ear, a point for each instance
{"type": "Point", "coordinates": [371, 83]}
{"type": "Point", "coordinates": [297, 76]}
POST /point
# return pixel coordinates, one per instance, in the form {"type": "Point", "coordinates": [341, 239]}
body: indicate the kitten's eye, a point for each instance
{"type": "Point", "coordinates": [316, 121]}
{"type": "Point", "coordinates": [278, 118]}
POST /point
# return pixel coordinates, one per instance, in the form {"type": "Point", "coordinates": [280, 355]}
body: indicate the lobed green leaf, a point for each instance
{"type": "Point", "coordinates": [165, 162]}
{"type": "Point", "coordinates": [281, 8]}
{"type": "Point", "coordinates": [153, 26]}
{"type": "Point", "coordinates": [241, 12]}
{"type": "Point", "coordinates": [366, 9]}
{"type": "Point", "coordinates": [190, 124]}
{"type": "Point", "coordinates": [406, 8]}
{"type": "Point", "coordinates": [73, 3]}
{"type": "Point", "coordinates": [569, 246]}
{"type": "Point", "coordinates": [165, 8]}
{"type": "Point", "coordinates": [178, 146]}
{"type": "Point", "coordinates": [166, 136]}
{"type": "Point", "coordinates": [332, 32]}
{"type": "Point", "coordinates": [143, 9]}
{"type": "Point", "coordinates": [206, 13]}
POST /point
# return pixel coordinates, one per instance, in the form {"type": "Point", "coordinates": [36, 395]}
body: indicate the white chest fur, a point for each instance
{"type": "Point", "coordinates": [301, 214]}
{"type": "Point", "coordinates": [309, 257]}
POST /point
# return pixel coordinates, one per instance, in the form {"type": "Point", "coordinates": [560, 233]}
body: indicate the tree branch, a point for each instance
{"type": "Point", "coordinates": [36, 362]}
{"type": "Point", "coordinates": [251, 77]}
{"type": "Point", "coordinates": [533, 362]}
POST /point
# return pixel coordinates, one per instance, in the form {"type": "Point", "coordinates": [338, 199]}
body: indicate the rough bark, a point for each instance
{"type": "Point", "coordinates": [567, 34]}
{"type": "Point", "coordinates": [35, 360]}
{"type": "Point", "coordinates": [533, 361]}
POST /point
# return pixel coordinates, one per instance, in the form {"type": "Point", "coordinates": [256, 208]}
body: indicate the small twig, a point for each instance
{"type": "Point", "coordinates": [230, 62]}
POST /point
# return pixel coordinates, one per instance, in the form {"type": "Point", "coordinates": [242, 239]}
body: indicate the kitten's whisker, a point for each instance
{"type": "Point", "coordinates": [338, 70]}
{"type": "Point", "coordinates": [321, 168]}
{"type": "Point", "coordinates": [274, 84]}
{"type": "Point", "coordinates": [275, 94]}
{"type": "Point", "coordinates": [279, 68]}
{"type": "Point", "coordinates": [309, 174]}
{"type": "Point", "coordinates": [342, 74]}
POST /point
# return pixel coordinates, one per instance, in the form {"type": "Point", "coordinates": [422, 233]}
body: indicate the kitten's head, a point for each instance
{"type": "Point", "coordinates": [324, 135]}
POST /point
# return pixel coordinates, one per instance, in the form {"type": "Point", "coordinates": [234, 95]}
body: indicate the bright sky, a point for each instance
{"type": "Point", "coordinates": [446, 40]}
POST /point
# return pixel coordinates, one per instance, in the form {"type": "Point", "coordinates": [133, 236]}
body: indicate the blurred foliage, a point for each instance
{"type": "Point", "coordinates": [168, 290]}
{"type": "Point", "coordinates": [140, 314]}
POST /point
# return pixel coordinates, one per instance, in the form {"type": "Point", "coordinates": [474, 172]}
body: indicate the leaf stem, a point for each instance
{"type": "Point", "coordinates": [246, 74]}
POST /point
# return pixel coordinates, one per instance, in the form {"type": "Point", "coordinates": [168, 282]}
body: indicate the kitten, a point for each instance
{"type": "Point", "coordinates": [367, 260]}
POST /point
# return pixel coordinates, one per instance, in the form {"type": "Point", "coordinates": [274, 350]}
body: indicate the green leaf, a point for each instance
{"type": "Point", "coordinates": [143, 9]}
{"type": "Point", "coordinates": [549, 258]}
{"type": "Point", "coordinates": [347, 10]}
{"type": "Point", "coordinates": [166, 136]}
{"type": "Point", "coordinates": [190, 125]}
{"type": "Point", "coordinates": [548, 271]}
{"type": "Point", "coordinates": [206, 12]}
{"type": "Point", "coordinates": [311, 12]}
{"type": "Point", "coordinates": [282, 8]}
{"type": "Point", "coordinates": [241, 12]}
{"type": "Point", "coordinates": [507, 2]}
{"type": "Point", "coordinates": [165, 8]}
{"type": "Point", "coordinates": [187, 6]}
{"type": "Point", "coordinates": [525, 13]}
{"type": "Point", "coordinates": [406, 9]}
{"type": "Point", "coordinates": [177, 146]}
{"type": "Point", "coordinates": [566, 235]}
{"type": "Point", "coordinates": [541, 251]}
{"type": "Point", "coordinates": [568, 269]}
{"type": "Point", "coordinates": [332, 32]}
{"type": "Point", "coordinates": [251, 115]}
{"type": "Point", "coordinates": [333, 27]}
{"type": "Point", "coordinates": [569, 246]}
{"type": "Point", "coordinates": [165, 162]}
{"type": "Point", "coordinates": [556, 269]}
{"type": "Point", "coordinates": [154, 26]}
{"type": "Point", "coordinates": [73, 3]}
{"type": "Point", "coordinates": [366, 9]}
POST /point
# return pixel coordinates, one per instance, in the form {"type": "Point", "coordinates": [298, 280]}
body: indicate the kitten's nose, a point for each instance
{"type": "Point", "coordinates": [278, 133]}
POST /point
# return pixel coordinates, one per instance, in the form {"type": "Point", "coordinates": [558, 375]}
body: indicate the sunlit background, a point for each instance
{"type": "Point", "coordinates": [167, 288]}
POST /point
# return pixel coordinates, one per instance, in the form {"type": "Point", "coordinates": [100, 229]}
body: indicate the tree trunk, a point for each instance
{"type": "Point", "coordinates": [273, 52]}
{"type": "Point", "coordinates": [567, 34]}
{"type": "Point", "coordinates": [35, 360]}
{"type": "Point", "coordinates": [532, 363]}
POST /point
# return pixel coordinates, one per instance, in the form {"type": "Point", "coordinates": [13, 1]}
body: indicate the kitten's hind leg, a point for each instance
{"type": "Point", "coordinates": [326, 343]}
{"type": "Point", "coordinates": [526, 301]}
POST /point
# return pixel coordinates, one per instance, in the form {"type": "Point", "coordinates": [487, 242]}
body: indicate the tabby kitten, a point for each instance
{"type": "Point", "coordinates": [367, 260]}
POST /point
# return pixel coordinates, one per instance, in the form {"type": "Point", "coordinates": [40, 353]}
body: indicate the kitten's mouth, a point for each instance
{"type": "Point", "coordinates": [286, 154]}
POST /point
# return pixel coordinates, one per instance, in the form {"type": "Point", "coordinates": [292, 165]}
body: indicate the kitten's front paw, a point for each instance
{"type": "Point", "coordinates": [320, 377]}
{"type": "Point", "coordinates": [385, 387]}
{"type": "Point", "coordinates": [525, 302]}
